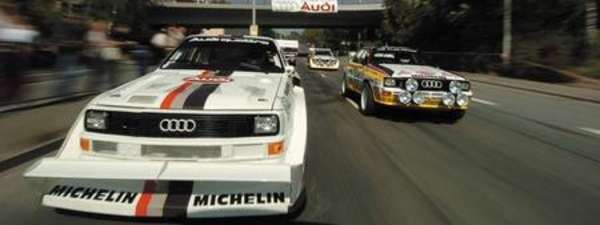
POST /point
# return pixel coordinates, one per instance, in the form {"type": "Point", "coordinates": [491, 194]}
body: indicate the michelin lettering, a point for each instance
{"type": "Point", "coordinates": [94, 194]}
{"type": "Point", "coordinates": [238, 199]}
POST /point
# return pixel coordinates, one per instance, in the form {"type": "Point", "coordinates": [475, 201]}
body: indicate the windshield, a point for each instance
{"type": "Point", "coordinates": [226, 54]}
{"type": "Point", "coordinates": [323, 53]}
{"type": "Point", "coordinates": [397, 57]}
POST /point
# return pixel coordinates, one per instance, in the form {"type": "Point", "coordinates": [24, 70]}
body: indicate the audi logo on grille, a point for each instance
{"type": "Point", "coordinates": [435, 84]}
{"type": "Point", "coordinates": [177, 125]}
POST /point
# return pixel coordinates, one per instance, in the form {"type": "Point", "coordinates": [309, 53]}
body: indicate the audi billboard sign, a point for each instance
{"type": "Point", "coordinates": [307, 6]}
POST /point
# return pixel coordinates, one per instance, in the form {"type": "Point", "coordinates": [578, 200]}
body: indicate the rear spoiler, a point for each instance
{"type": "Point", "coordinates": [158, 170]}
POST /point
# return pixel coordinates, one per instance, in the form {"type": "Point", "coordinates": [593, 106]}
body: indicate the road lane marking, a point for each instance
{"type": "Point", "coordinates": [352, 103]}
{"type": "Point", "coordinates": [591, 130]}
{"type": "Point", "coordinates": [485, 102]}
{"type": "Point", "coordinates": [322, 75]}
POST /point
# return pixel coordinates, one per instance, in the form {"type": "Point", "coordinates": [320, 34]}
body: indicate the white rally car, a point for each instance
{"type": "Point", "coordinates": [219, 130]}
{"type": "Point", "coordinates": [322, 58]}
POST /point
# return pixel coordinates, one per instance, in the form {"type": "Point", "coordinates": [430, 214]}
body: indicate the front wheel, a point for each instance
{"type": "Point", "coordinates": [344, 88]}
{"type": "Point", "coordinates": [368, 106]}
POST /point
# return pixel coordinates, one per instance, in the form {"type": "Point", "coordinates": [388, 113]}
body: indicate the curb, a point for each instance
{"type": "Point", "coordinates": [31, 154]}
{"type": "Point", "coordinates": [539, 91]}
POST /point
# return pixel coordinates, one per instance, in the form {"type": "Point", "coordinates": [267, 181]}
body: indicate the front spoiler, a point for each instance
{"type": "Point", "coordinates": [166, 189]}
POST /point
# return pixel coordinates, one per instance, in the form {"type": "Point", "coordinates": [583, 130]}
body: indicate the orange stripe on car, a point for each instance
{"type": "Point", "coordinates": [141, 209]}
{"type": "Point", "coordinates": [166, 104]}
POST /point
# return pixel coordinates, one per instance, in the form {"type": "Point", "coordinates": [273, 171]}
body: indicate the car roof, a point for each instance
{"type": "Point", "coordinates": [321, 49]}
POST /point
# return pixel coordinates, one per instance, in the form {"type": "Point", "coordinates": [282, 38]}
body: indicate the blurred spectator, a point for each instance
{"type": "Point", "coordinates": [16, 39]}
{"type": "Point", "coordinates": [161, 44]}
{"type": "Point", "coordinates": [166, 40]}
{"type": "Point", "coordinates": [102, 53]}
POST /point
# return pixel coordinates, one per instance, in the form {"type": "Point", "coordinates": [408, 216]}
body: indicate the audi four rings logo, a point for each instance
{"type": "Point", "coordinates": [432, 84]}
{"type": "Point", "coordinates": [177, 125]}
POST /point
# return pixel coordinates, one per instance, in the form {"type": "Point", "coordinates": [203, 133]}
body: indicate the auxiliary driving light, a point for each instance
{"type": "Point", "coordinates": [448, 99]}
{"type": "Point", "coordinates": [419, 98]}
{"type": "Point", "coordinates": [411, 85]}
{"type": "Point", "coordinates": [389, 82]}
{"type": "Point", "coordinates": [462, 99]}
{"type": "Point", "coordinates": [405, 97]}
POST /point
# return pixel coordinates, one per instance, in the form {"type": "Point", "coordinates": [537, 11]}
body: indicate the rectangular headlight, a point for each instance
{"type": "Point", "coordinates": [266, 125]}
{"type": "Point", "coordinates": [465, 86]}
{"type": "Point", "coordinates": [391, 82]}
{"type": "Point", "coordinates": [96, 120]}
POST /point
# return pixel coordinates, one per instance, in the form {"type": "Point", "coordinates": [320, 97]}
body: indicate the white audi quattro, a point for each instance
{"type": "Point", "coordinates": [218, 130]}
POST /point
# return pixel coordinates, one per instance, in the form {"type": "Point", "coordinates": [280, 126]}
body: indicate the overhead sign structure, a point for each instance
{"type": "Point", "coordinates": [307, 6]}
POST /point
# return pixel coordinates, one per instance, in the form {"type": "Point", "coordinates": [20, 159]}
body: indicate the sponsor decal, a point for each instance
{"type": "Point", "coordinates": [194, 92]}
{"type": "Point", "coordinates": [238, 199]}
{"type": "Point", "coordinates": [307, 6]}
{"type": "Point", "coordinates": [93, 194]}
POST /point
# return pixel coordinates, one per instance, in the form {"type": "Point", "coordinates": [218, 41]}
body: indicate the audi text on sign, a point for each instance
{"type": "Point", "coordinates": [218, 130]}
{"type": "Point", "coordinates": [399, 77]}
{"type": "Point", "coordinates": [307, 6]}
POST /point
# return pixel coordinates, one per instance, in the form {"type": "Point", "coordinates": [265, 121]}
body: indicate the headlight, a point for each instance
{"type": "Point", "coordinates": [466, 86]}
{"type": "Point", "coordinates": [96, 120]}
{"type": "Point", "coordinates": [411, 85]}
{"type": "Point", "coordinates": [419, 98]}
{"type": "Point", "coordinates": [455, 87]}
{"type": "Point", "coordinates": [390, 82]}
{"type": "Point", "coordinates": [405, 97]}
{"type": "Point", "coordinates": [266, 125]}
{"type": "Point", "coordinates": [448, 99]}
{"type": "Point", "coordinates": [462, 99]}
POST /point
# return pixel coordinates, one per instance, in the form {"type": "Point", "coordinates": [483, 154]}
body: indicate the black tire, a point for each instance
{"type": "Point", "coordinates": [344, 88]}
{"type": "Point", "coordinates": [367, 105]}
{"type": "Point", "coordinates": [296, 210]}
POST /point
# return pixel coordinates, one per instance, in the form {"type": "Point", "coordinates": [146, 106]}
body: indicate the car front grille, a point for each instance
{"type": "Point", "coordinates": [445, 85]}
{"type": "Point", "coordinates": [208, 126]}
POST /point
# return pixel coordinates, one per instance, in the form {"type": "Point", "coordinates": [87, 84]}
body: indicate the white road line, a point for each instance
{"type": "Point", "coordinates": [352, 103]}
{"type": "Point", "coordinates": [591, 130]}
{"type": "Point", "coordinates": [322, 75]}
{"type": "Point", "coordinates": [484, 102]}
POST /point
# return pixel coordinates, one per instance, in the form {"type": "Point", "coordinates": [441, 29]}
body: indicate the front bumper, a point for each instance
{"type": "Point", "coordinates": [334, 66]}
{"type": "Point", "coordinates": [167, 188]}
{"type": "Point", "coordinates": [433, 101]}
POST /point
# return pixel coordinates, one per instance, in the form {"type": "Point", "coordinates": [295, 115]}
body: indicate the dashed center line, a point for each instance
{"type": "Point", "coordinates": [352, 103]}
{"type": "Point", "coordinates": [322, 75]}
{"type": "Point", "coordinates": [484, 102]}
{"type": "Point", "coordinates": [591, 130]}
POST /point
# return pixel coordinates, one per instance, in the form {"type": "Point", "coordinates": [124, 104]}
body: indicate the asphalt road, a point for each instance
{"type": "Point", "coordinates": [515, 158]}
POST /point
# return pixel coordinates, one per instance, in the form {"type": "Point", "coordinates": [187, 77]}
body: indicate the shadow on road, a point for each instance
{"type": "Point", "coordinates": [400, 115]}
{"type": "Point", "coordinates": [264, 220]}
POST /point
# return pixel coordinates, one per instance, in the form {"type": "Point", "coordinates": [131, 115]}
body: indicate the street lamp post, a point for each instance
{"type": "Point", "coordinates": [253, 26]}
{"type": "Point", "coordinates": [507, 40]}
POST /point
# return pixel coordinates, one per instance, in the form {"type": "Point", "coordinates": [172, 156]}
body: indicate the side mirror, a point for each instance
{"type": "Point", "coordinates": [292, 61]}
